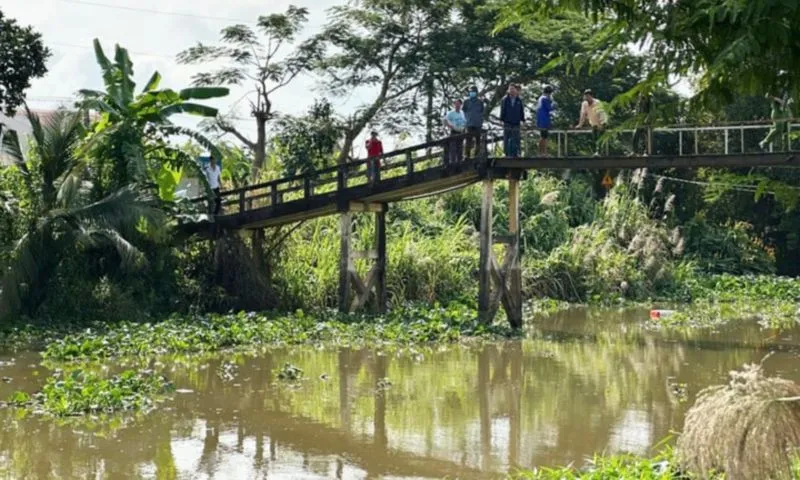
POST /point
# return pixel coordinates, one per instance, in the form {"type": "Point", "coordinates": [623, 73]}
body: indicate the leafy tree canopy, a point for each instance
{"type": "Point", "coordinates": [728, 47]}
{"type": "Point", "coordinates": [257, 57]}
{"type": "Point", "coordinates": [308, 142]}
{"type": "Point", "coordinates": [23, 57]}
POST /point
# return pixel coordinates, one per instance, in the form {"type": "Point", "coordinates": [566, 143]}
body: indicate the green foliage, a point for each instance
{"type": "Point", "coordinates": [429, 266]}
{"type": "Point", "coordinates": [130, 140]}
{"type": "Point", "coordinates": [627, 467]}
{"type": "Point", "coordinates": [413, 324]}
{"type": "Point", "coordinates": [257, 55]}
{"type": "Point", "coordinates": [720, 299]}
{"type": "Point", "coordinates": [289, 373]}
{"type": "Point", "coordinates": [623, 253]}
{"type": "Point", "coordinates": [307, 143]}
{"type": "Point", "coordinates": [23, 57]}
{"type": "Point", "coordinates": [732, 47]}
{"type": "Point", "coordinates": [725, 249]}
{"type": "Point", "coordinates": [64, 218]}
{"type": "Point", "coordinates": [80, 392]}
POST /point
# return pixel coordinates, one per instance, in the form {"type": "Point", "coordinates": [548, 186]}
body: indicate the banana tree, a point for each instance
{"type": "Point", "coordinates": [133, 136]}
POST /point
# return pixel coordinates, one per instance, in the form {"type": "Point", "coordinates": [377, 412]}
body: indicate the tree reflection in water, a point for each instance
{"type": "Point", "coordinates": [582, 385]}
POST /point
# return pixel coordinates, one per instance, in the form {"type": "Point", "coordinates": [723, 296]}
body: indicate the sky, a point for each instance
{"type": "Point", "coordinates": [154, 31]}
{"type": "Point", "coordinates": [68, 27]}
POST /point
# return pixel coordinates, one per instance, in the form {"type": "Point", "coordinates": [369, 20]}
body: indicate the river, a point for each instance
{"type": "Point", "coordinates": [585, 382]}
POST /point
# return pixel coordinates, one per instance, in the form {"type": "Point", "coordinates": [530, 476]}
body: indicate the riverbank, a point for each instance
{"type": "Point", "coordinates": [662, 466]}
{"type": "Point", "coordinates": [177, 335]}
{"type": "Point", "coordinates": [713, 302]}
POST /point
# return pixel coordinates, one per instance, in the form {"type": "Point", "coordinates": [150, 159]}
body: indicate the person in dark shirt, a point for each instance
{"type": "Point", "coordinates": [512, 114]}
{"type": "Point", "coordinates": [374, 152]}
{"type": "Point", "coordinates": [474, 108]}
{"type": "Point", "coordinates": [544, 120]}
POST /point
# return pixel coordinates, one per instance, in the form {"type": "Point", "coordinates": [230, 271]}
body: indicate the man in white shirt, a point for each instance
{"type": "Point", "coordinates": [214, 176]}
{"type": "Point", "coordinates": [592, 110]}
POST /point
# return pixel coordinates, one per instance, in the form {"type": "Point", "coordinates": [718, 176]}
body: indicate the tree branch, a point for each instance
{"type": "Point", "coordinates": [227, 128]}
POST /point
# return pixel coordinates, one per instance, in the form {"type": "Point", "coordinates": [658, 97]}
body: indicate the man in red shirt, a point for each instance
{"type": "Point", "coordinates": [374, 152]}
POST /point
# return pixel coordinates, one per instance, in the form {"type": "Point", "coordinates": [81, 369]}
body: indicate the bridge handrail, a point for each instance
{"type": "Point", "coordinates": [349, 166]}
{"type": "Point", "coordinates": [343, 172]}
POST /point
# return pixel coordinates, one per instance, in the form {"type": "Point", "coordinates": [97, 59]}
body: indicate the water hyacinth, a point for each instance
{"type": "Point", "coordinates": [412, 324]}
{"type": "Point", "coordinates": [81, 392]}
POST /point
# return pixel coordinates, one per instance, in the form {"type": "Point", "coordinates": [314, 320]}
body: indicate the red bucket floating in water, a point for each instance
{"type": "Point", "coordinates": [659, 314]}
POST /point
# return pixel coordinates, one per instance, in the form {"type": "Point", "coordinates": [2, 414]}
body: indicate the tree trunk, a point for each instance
{"type": "Point", "coordinates": [261, 148]}
{"type": "Point", "coordinates": [347, 146]}
{"type": "Point", "coordinates": [429, 120]}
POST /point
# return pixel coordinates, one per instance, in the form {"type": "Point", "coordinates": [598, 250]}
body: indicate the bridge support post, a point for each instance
{"type": "Point", "coordinates": [346, 265]}
{"type": "Point", "coordinates": [514, 309]}
{"type": "Point", "coordinates": [349, 280]}
{"type": "Point", "coordinates": [484, 286]}
{"type": "Point", "coordinates": [506, 279]}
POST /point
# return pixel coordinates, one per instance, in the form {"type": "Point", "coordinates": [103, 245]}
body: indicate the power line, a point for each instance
{"type": "Point", "coordinates": [61, 100]}
{"type": "Point", "coordinates": [157, 12]}
{"type": "Point", "coordinates": [85, 47]}
{"type": "Point", "coordinates": [729, 186]}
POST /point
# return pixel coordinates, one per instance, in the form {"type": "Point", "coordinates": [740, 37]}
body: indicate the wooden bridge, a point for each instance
{"type": "Point", "coordinates": [429, 169]}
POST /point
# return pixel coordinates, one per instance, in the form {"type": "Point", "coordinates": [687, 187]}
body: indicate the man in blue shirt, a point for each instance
{"type": "Point", "coordinates": [456, 122]}
{"type": "Point", "coordinates": [512, 114]}
{"type": "Point", "coordinates": [474, 108]}
{"type": "Point", "coordinates": [544, 121]}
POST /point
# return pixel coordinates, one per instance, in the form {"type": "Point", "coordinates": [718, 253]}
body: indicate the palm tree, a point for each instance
{"type": "Point", "coordinates": [67, 220]}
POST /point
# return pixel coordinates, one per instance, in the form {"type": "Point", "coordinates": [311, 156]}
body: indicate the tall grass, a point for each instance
{"type": "Point", "coordinates": [430, 266]}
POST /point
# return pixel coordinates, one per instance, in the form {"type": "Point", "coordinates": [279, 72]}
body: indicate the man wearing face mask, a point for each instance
{"type": "Point", "coordinates": [474, 109]}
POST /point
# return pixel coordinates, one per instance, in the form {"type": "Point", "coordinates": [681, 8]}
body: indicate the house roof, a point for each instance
{"type": "Point", "coordinates": [22, 126]}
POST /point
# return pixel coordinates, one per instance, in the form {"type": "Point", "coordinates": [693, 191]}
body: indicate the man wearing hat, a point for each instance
{"type": "Point", "coordinates": [474, 109]}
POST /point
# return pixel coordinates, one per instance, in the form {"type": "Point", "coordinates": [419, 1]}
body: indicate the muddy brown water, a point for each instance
{"type": "Point", "coordinates": [586, 382]}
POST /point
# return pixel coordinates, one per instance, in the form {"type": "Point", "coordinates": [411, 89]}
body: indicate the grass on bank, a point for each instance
{"type": "Point", "coordinates": [628, 467]}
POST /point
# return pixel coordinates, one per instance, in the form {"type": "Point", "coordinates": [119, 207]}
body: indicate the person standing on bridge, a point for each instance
{"type": "Point", "coordinates": [374, 152]}
{"type": "Point", "coordinates": [780, 115]}
{"type": "Point", "coordinates": [512, 114]}
{"type": "Point", "coordinates": [642, 131]}
{"type": "Point", "coordinates": [214, 177]}
{"type": "Point", "coordinates": [474, 108]}
{"type": "Point", "coordinates": [592, 110]}
{"type": "Point", "coordinates": [544, 117]}
{"type": "Point", "coordinates": [456, 122]}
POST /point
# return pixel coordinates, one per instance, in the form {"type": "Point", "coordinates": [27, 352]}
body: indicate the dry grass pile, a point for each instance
{"type": "Point", "coordinates": [748, 429]}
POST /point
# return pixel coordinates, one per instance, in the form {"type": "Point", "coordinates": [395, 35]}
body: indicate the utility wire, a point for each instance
{"type": "Point", "coordinates": [729, 186]}
{"type": "Point", "coordinates": [86, 47]}
{"type": "Point", "coordinates": [157, 12]}
{"type": "Point", "coordinates": [57, 99]}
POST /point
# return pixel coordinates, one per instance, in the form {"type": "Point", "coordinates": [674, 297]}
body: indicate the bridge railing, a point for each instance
{"type": "Point", "coordinates": [719, 138]}
{"type": "Point", "coordinates": [327, 181]}
{"type": "Point", "coordinates": [723, 139]}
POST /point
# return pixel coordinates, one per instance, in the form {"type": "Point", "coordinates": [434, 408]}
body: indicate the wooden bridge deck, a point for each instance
{"type": "Point", "coordinates": [420, 170]}
{"type": "Point", "coordinates": [304, 198]}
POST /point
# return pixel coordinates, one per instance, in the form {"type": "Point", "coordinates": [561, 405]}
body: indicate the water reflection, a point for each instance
{"type": "Point", "coordinates": [585, 383]}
